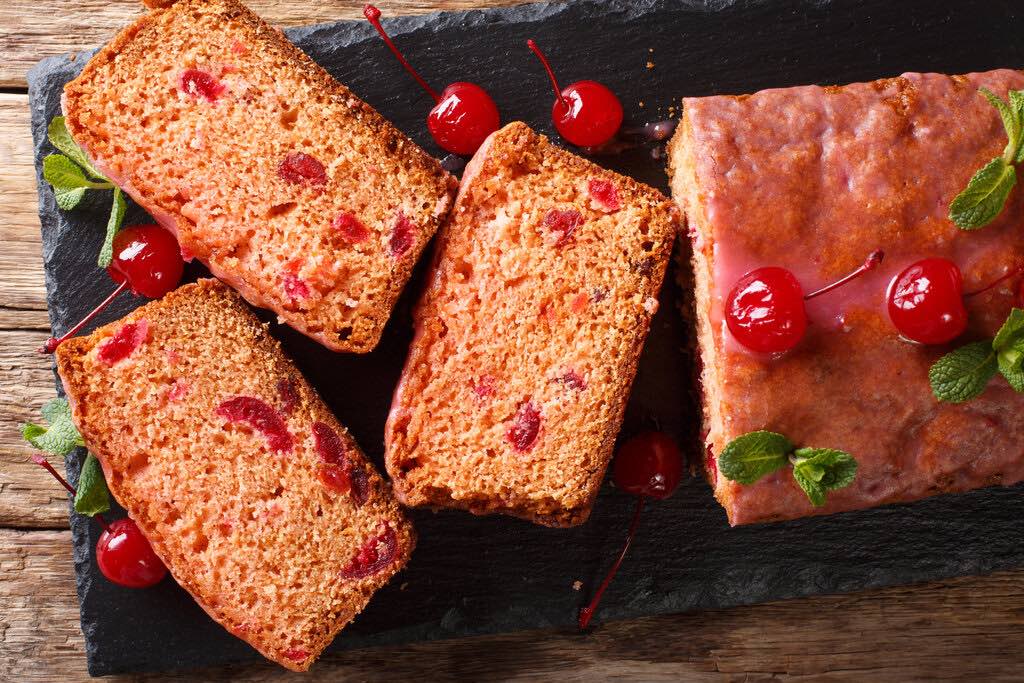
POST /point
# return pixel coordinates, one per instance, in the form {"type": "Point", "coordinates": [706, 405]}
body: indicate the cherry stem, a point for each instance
{"type": "Point", "coordinates": [872, 262]}
{"type": "Point", "coordinates": [1013, 273]}
{"type": "Point", "coordinates": [587, 613]}
{"type": "Point", "coordinates": [45, 464]}
{"type": "Point", "coordinates": [372, 15]}
{"type": "Point", "coordinates": [547, 67]}
{"type": "Point", "coordinates": [53, 342]}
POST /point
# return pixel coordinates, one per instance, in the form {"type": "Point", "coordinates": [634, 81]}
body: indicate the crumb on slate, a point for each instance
{"type": "Point", "coordinates": [577, 584]}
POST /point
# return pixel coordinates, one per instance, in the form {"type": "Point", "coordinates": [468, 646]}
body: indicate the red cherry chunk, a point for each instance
{"type": "Point", "coordinates": [605, 195]}
{"type": "Point", "coordinates": [261, 417]}
{"type": "Point", "coordinates": [588, 114]}
{"type": "Point", "coordinates": [765, 310]}
{"type": "Point", "coordinates": [299, 168]}
{"type": "Point", "coordinates": [337, 470]}
{"type": "Point", "coordinates": [296, 654]}
{"type": "Point", "coordinates": [926, 302]}
{"type": "Point", "coordinates": [573, 380]}
{"type": "Point", "coordinates": [350, 228]}
{"type": "Point", "coordinates": [149, 257]}
{"type": "Point", "coordinates": [118, 347]}
{"type": "Point", "coordinates": [295, 288]}
{"type": "Point", "coordinates": [125, 557]}
{"type": "Point", "coordinates": [288, 395]}
{"type": "Point", "coordinates": [199, 84]}
{"type": "Point", "coordinates": [649, 464]}
{"type": "Point", "coordinates": [525, 427]}
{"type": "Point", "coordinates": [375, 555]}
{"type": "Point", "coordinates": [484, 387]}
{"type": "Point", "coordinates": [403, 234]}
{"type": "Point", "coordinates": [564, 223]}
{"type": "Point", "coordinates": [463, 118]}
{"type": "Point", "coordinates": [711, 463]}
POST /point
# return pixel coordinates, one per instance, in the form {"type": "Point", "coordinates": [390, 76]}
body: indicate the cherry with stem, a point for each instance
{"type": "Point", "coordinates": [146, 260]}
{"type": "Point", "coordinates": [123, 554]}
{"type": "Point", "coordinates": [766, 310]}
{"type": "Point", "coordinates": [464, 114]}
{"type": "Point", "coordinates": [649, 465]}
{"type": "Point", "coordinates": [586, 113]}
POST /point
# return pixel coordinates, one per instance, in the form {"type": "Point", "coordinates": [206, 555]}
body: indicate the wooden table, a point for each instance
{"type": "Point", "coordinates": [963, 628]}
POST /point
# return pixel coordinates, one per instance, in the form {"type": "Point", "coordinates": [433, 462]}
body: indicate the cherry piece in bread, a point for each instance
{"type": "Point", "coordinates": [586, 113]}
{"type": "Point", "coordinates": [146, 260]}
{"type": "Point", "coordinates": [766, 312]}
{"type": "Point", "coordinates": [463, 114]}
{"type": "Point", "coordinates": [649, 465]}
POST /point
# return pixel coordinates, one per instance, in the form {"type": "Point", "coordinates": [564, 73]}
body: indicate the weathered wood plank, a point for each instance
{"type": "Point", "coordinates": [33, 29]}
{"type": "Point", "coordinates": [21, 287]}
{"type": "Point", "coordinates": [29, 498]}
{"type": "Point", "coordinates": [955, 630]}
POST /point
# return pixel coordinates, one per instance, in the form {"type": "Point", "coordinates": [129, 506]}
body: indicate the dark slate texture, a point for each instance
{"type": "Point", "coordinates": [478, 575]}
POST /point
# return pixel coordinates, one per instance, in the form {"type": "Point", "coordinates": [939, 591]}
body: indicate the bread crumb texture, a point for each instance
{"type": "Point", "coordinates": [545, 280]}
{"type": "Point", "coordinates": [258, 501]}
{"type": "Point", "coordinates": [280, 179]}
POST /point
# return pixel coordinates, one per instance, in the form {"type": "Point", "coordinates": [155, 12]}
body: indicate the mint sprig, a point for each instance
{"type": "Point", "coordinates": [964, 373]}
{"type": "Point", "coordinates": [985, 195]}
{"type": "Point", "coordinates": [817, 471]}
{"type": "Point", "coordinates": [60, 437]}
{"type": "Point", "coordinates": [71, 175]}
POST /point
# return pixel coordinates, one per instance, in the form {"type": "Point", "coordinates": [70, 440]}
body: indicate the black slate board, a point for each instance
{"type": "Point", "coordinates": [477, 575]}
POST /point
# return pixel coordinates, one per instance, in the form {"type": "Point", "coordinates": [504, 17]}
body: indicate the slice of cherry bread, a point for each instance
{"type": "Point", "coordinates": [285, 184]}
{"type": "Point", "coordinates": [544, 283]}
{"type": "Point", "coordinates": [254, 496]}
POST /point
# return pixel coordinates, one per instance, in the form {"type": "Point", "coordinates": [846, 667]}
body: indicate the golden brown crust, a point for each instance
{"type": "Point", "coordinates": [91, 104]}
{"type": "Point", "coordinates": [203, 491]}
{"type": "Point", "coordinates": [594, 302]}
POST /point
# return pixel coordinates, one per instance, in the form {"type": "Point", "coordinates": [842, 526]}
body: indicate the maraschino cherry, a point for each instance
{"type": "Point", "coordinates": [146, 259]}
{"type": "Point", "coordinates": [585, 113]}
{"type": "Point", "coordinates": [649, 466]}
{"type": "Point", "coordinates": [463, 114]}
{"type": "Point", "coordinates": [123, 554]}
{"type": "Point", "coordinates": [766, 310]}
{"type": "Point", "coordinates": [926, 300]}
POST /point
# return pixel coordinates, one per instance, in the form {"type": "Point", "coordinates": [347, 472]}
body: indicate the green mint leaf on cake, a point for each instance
{"type": "Point", "coordinates": [817, 471]}
{"type": "Point", "coordinates": [751, 456]}
{"type": "Point", "coordinates": [1009, 348]}
{"type": "Point", "coordinates": [983, 198]}
{"type": "Point", "coordinates": [820, 470]}
{"type": "Point", "coordinates": [963, 374]}
{"type": "Point", "coordinates": [59, 137]}
{"type": "Point", "coordinates": [60, 437]}
{"type": "Point", "coordinates": [117, 211]}
{"type": "Point", "coordinates": [985, 195]}
{"type": "Point", "coordinates": [91, 494]}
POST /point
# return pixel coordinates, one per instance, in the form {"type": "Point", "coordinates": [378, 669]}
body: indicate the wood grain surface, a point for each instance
{"type": "Point", "coordinates": [951, 630]}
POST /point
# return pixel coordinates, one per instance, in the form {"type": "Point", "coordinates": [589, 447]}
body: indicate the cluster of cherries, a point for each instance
{"type": "Point", "coordinates": [585, 113]}
{"type": "Point", "coordinates": [766, 311]}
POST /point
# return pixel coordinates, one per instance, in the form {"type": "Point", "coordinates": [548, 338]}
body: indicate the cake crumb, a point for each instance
{"type": "Point", "coordinates": [650, 64]}
{"type": "Point", "coordinates": [641, 103]}
{"type": "Point", "coordinates": [577, 585]}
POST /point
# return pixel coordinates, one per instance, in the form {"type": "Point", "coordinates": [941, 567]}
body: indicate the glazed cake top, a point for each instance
{"type": "Point", "coordinates": [813, 179]}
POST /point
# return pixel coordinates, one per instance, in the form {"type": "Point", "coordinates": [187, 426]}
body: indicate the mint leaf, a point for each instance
{"type": "Point", "coordinates": [64, 174]}
{"type": "Point", "coordinates": [117, 211]}
{"type": "Point", "coordinates": [91, 495]}
{"type": "Point", "coordinates": [1011, 332]}
{"type": "Point", "coordinates": [57, 133]}
{"type": "Point", "coordinates": [60, 437]}
{"type": "Point", "coordinates": [814, 490]}
{"type": "Point", "coordinates": [68, 199]}
{"type": "Point", "coordinates": [964, 373]}
{"type": "Point", "coordinates": [1016, 98]}
{"type": "Point", "coordinates": [837, 468]}
{"type": "Point", "coordinates": [1014, 376]}
{"type": "Point", "coordinates": [983, 198]}
{"type": "Point", "coordinates": [1011, 123]}
{"type": "Point", "coordinates": [749, 457]}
